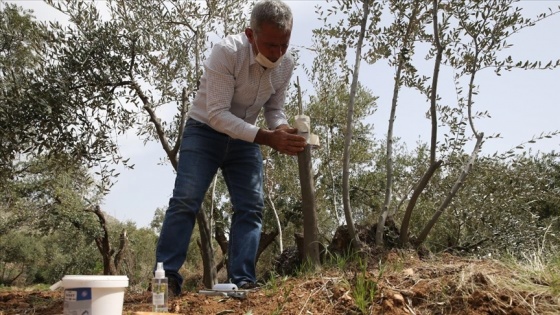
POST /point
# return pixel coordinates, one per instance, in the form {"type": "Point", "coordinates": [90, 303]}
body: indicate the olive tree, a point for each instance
{"type": "Point", "coordinates": [135, 66]}
{"type": "Point", "coordinates": [468, 37]}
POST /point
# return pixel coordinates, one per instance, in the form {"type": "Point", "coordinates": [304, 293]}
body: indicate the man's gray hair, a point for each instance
{"type": "Point", "coordinates": [271, 11]}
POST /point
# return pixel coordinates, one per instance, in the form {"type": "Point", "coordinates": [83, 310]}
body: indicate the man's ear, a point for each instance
{"type": "Point", "coordinates": [250, 35]}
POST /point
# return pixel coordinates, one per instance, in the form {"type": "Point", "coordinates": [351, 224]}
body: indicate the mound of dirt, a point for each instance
{"type": "Point", "coordinates": [405, 284]}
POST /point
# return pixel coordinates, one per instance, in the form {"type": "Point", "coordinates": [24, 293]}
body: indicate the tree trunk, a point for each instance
{"type": "Point", "coordinates": [103, 244]}
{"type": "Point", "coordinates": [310, 233]}
{"type": "Point", "coordinates": [266, 240]}
{"type": "Point", "coordinates": [206, 250]}
{"type": "Point", "coordinates": [403, 59]}
{"type": "Point", "coordinates": [418, 189]}
{"type": "Point", "coordinates": [119, 256]}
{"type": "Point", "coordinates": [466, 170]}
{"type": "Point", "coordinates": [349, 125]}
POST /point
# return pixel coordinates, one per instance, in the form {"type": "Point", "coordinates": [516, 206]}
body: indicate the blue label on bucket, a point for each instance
{"type": "Point", "coordinates": [77, 301]}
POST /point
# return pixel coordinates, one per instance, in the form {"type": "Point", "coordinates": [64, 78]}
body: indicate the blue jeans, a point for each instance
{"type": "Point", "coordinates": [203, 151]}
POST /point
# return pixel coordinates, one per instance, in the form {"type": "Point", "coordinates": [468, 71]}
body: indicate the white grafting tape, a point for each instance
{"type": "Point", "coordinates": [303, 123]}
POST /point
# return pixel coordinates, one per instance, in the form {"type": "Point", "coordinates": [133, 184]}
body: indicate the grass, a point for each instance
{"type": "Point", "coordinates": [280, 307]}
{"type": "Point", "coordinates": [273, 283]}
{"type": "Point", "coordinates": [444, 284]}
{"type": "Point", "coordinates": [553, 274]}
{"type": "Point", "coordinates": [365, 288]}
{"type": "Point", "coordinates": [541, 270]}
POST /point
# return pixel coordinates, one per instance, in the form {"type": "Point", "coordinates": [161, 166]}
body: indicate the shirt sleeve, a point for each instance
{"type": "Point", "coordinates": [220, 88]}
{"type": "Point", "coordinates": [274, 107]}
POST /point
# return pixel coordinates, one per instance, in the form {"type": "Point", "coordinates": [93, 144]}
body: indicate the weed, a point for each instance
{"type": "Point", "coordinates": [365, 289]}
{"type": "Point", "coordinates": [341, 261]}
{"type": "Point", "coordinates": [273, 283]}
{"type": "Point", "coordinates": [285, 298]}
{"type": "Point", "coordinates": [552, 272]}
{"type": "Point", "coordinates": [306, 268]}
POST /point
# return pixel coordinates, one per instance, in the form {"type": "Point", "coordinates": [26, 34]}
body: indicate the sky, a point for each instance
{"type": "Point", "coordinates": [522, 104]}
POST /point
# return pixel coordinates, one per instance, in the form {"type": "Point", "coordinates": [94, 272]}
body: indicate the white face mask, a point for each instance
{"type": "Point", "coordinates": [265, 62]}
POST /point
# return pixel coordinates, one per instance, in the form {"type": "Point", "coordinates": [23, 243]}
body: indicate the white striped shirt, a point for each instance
{"type": "Point", "coordinates": [234, 88]}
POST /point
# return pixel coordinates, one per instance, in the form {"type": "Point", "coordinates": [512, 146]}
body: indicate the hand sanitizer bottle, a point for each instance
{"type": "Point", "coordinates": [159, 290]}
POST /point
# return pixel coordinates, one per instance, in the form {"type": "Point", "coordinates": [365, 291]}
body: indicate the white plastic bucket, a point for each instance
{"type": "Point", "coordinates": [94, 295]}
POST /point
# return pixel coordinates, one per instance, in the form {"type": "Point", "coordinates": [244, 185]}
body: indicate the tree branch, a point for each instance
{"type": "Point", "coordinates": [418, 189]}
{"type": "Point", "coordinates": [466, 170]}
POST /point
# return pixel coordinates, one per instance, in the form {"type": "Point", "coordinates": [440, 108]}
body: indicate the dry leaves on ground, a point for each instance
{"type": "Point", "coordinates": [404, 285]}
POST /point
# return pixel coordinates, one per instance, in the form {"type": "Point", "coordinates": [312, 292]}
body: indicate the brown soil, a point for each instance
{"type": "Point", "coordinates": [406, 285]}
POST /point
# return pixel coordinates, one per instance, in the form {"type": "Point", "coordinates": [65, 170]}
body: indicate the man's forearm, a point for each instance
{"type": "Point", "coordinates": [263, 137]}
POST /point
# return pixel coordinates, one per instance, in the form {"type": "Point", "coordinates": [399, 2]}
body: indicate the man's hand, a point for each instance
{"type": "Point", "coordinates": [283, 139]}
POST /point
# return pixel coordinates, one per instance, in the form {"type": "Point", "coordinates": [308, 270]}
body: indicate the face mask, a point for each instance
{"type": "Point", "coordinates": [265, 62]}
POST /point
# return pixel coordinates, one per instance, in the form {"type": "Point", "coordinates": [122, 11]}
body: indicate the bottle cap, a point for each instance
{"type": "Point", "coordinates": [160, 273]}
